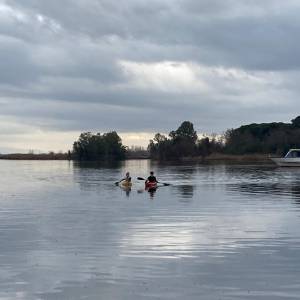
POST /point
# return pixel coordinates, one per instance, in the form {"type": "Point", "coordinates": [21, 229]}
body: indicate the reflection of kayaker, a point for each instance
{"type": "Point", "coordinates": [126, 189]}
{"type": "Point", "coordinates": [151, 181]}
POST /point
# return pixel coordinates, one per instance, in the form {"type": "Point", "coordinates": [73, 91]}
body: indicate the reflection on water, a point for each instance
{"type": "Point", "coordinates": [269, 181]}
{"type": "Point", "coordinates": [127, 190]}
{"type": "Point", "coordinates": [274, 188]}
{"type": "Point", "coordinates": [186, 191]}
{"type": "Point", "coordinates": [218, 232]}
{"type": "Point", "coordinates": [152, 192]}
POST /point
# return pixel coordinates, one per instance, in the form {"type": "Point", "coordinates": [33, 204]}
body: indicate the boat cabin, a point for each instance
{"type": "Point", "coordinates": [293, 153]}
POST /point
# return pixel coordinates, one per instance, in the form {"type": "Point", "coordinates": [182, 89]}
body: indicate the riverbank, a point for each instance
{"type": "Point", "coordinates": [32, 156]}
{"type": "Point", "coordinates": [237, 158]}
{"type": "Point", "coordinates": [54, 156]}
{"type": "Point", "coordinates": [220, 157]}
{"type": "Point", "coordinates": [213, 158]}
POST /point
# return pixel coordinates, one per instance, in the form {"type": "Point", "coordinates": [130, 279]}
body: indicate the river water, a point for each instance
{"type": "Point", "coordinates": [218, 232]}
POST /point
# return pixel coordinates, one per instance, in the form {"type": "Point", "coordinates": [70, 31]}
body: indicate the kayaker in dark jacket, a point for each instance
{"type": "Point", "coordinates": [151, 178]}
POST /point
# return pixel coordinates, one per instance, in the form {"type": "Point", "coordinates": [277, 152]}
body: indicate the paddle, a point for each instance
{"type": "Point", "coordinates": [117, 183]}
{"type": "Point", "coordinates": [164, 183]}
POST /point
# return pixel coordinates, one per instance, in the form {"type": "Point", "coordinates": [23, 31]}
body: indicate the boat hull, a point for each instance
{"type": "Point", "coordinates": [126, 184]}
{"type": "Point", "coordinates": [287, 162]}
{"type": "Point", "coordinates": [151, 185]}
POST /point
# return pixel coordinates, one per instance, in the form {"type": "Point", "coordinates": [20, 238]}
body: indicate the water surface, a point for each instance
{"type": "Point", "coordinates": [219, 232]}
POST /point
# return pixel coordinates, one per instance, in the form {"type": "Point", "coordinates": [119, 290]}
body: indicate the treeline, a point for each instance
{"type": "Point", "coordinates": [182, 143]}
{"type": "Point", "coordinates": [107, 146]}
{"type": "Point", "coordinates": [264, 138]}
{"type": "Point", "coordinates": [275, 138]}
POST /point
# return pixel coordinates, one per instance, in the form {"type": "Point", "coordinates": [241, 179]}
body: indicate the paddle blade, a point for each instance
{"type": "Point", "coordinates": [141, 178]}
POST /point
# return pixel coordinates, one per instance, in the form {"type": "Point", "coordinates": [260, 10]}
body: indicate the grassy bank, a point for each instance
{"type": "Point", "coordinates": [215, 157]}
{"type": "Point", "coordinates": [242, 158]}
{"type": "Point", "coordinates": [230, 158]}
{"type": "Point", "coordinates": [30, 156]}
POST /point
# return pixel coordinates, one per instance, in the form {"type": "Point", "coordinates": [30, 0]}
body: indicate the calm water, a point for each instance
{"type": "Point", "coordinates": [219, 232]}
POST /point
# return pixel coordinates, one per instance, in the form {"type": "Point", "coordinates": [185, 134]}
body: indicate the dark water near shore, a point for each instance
{"type": "Point", "coordinates": [219, 232]}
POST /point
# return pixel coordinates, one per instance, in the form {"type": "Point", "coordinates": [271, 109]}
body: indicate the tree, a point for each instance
{"type": "Point", "coordinates": [185, 131]}
{"type": "Point", "coordinates": [296, 122]}
{"type": "Point", "coordinates": [263, 138]}
{"type": "Point", "coordinates": [159, 138]}
{"type": "Point", "coordinates": [113, 145]}
{"type": "Point", "coordinates": [204, 147]}
{"type": "Point", "coordinates": [181, 143]}
{"type": "Point", "coordinates": [99, 147]}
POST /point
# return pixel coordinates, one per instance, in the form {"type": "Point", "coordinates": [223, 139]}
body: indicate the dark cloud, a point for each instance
{"type": "Point", "coordinates": [16, 65]}
{"type": "Point", "coordinates": [255, 35]}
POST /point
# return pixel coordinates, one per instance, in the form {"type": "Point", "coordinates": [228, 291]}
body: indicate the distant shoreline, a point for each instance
{"type": "Point", "coordinates": [236, 157]}
{"type": "Point", "coordinates": [211, 158]}
{"type": "Point", "coordinates": [30, 156]}
{"type": "Point", "coordinates": [220, 157]}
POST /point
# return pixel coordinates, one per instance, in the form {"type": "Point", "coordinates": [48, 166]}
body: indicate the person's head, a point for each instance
{"type": "Point", "coordinates": [127, 174]}
{"type": "Point", "coordinates": [151, 173]}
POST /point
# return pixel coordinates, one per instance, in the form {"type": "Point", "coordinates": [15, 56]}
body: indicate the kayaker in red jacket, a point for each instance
{"type": "Point", "coordinates": [151, 178]}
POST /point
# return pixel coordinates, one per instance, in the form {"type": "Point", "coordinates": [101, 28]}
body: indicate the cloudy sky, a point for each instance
{"type": "Point", "coordinates": [143, 66]}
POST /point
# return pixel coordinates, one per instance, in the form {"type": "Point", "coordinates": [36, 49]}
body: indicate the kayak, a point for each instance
{"type": "Point", "coordinates": [126, 183]}
{"type": "Point", "coordinates": [151, 185]}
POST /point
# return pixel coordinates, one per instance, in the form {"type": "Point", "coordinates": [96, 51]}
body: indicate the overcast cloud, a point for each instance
{"type": "Point", "coordinates": [140, 67]}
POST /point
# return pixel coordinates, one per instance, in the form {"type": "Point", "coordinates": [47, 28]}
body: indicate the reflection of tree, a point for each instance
{"type": "Point", "coordinates": [93, 175]}
{"type": "Point", "coordinates": [186, 191]}
{"type": "Point", "coordinates": [295, 189]}
{"type": "Point", "coordinates": [183, 170]}
{"type": "Point", "coordinates": [188, 171]}
{"type": "Point", "coordinates": [97, 164]}
{"type": "Point", "coordinates": [277, 189]}
{"type": "Point", "coordinates": [263, 180]}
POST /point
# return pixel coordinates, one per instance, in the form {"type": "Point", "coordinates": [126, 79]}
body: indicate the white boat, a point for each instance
{"type": "Point", "coordinates": [291, 159]}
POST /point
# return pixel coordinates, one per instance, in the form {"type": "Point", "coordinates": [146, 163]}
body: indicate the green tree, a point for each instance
{"type": "Point", "coordinates": [185, 131]}
{"type": "Point", "coordinates": [181, 143]}
{"type": "Point", "coordinates": [296, 122]}
{"type": "Point", "coordinates": [264, 138]}
{"type": "Point", "coordinates": [98, 147]}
